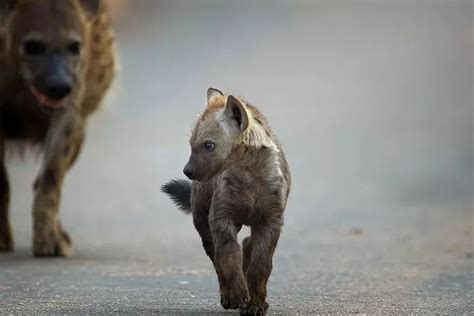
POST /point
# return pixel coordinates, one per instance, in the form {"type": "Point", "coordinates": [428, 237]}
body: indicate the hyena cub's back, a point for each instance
{"type": "Point", "coordinates": [240, 177]}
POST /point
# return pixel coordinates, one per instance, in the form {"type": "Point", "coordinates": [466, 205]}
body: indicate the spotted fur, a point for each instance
{"type": "Point", "coordinates": [59, 128]}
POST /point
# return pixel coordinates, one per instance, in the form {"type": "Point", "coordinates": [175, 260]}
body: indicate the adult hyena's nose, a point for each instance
{"type": "Point", "coordinates": [58, 91]}
{"type": "Point", "coordinates": [57, 81]}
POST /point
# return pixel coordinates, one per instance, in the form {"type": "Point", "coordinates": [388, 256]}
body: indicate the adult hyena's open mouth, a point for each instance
{"type": "Point", "coordinates": [46, 102]}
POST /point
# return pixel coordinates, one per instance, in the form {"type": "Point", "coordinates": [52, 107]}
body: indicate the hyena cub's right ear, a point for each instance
{"type": "Point", "coordinates": [212, 93]}
{"type": "Point", "coordinates": [236, 113]}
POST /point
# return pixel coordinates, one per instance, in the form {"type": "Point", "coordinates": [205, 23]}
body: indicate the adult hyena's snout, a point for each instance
{"type": "Point", "coordinates": [58, 89]}
{"type": "Point", "coordinates": [56, 81]}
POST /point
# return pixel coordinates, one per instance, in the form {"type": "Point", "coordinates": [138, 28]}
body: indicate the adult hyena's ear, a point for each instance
{"type": "Point", "coordinates": [5, 7]}
{"type": "Point", "coordinates": [212, 93]}
{"type": "Point", "coordinates": [236, 113]}
{"type": "Point", "coordinates": [92, 7]}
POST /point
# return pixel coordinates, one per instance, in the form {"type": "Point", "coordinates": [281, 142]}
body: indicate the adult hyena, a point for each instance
{"type": "Point", "coordinates": [57, 60]}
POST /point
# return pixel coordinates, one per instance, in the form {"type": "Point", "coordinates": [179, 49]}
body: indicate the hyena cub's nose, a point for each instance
{"type": "Point", "coordinates": [188, 171]}
{"type": "Point", "coordinates": [59, 91]}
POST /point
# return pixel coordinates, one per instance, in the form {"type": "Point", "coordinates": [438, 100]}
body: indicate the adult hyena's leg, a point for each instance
{"type": "Point", "coordinates": [259, 257]}
{"type": "Point", "coordinates": [6, 238]}
{"type": "Point", "coordinates": [62, 146]}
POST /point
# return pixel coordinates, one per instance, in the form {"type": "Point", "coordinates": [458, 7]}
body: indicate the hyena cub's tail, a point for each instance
{"type": "Point", "coordinates": [179, 191]}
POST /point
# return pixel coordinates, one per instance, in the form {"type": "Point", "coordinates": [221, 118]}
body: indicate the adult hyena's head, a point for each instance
{"type": "Point", "coordinates": [46, 42]}
{"type": "Point", "coordinates": [216, 133]}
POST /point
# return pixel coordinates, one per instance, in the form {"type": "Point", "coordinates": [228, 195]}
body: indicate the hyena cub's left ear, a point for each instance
{"type": "Point", "coordinates": [92, 7]}
{"type": "Point", "coordinates": [236, 112]}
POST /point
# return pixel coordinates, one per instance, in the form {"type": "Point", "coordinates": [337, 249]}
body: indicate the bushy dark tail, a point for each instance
{"type": "Point", "coordinates": [179, 191]}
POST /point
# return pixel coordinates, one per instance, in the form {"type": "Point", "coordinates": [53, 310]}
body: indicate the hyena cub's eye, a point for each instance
{"type": "Point", "coordinates": [209, 146]}
{"type": "Point", "coordinates": [34, 48]}
{"type": "Point", "coordinates": [75, 48]}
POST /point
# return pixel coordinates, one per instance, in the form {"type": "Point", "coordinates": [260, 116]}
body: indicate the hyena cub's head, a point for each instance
{"type": "Point", "coordinates": [218, 129]}
{"type": "Point", "coordinates": [46, 42]}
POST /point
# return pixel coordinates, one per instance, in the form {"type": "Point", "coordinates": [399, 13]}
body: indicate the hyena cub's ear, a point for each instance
{"type": "Point", "coordinates": [236, 112]}
{"type": "Point", "coordinates": [212, 93]}
{"type": "Point", "coordinates": [92, 7]}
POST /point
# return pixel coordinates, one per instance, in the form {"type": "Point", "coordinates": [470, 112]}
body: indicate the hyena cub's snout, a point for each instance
{"type": "Point", "coordinates": [196, 168]}
{"type": "Point", "coordinates": [200, 167]}
{"type": "Point", "coordinates": [203, 163]}
{"type": "Point", "coordinates": [189, 170]}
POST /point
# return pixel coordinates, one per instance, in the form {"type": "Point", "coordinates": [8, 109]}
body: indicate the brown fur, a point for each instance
{"type": "Point", "coordinates": [244, 180]}
{"type": "Point", "coordinates": [22, 118]}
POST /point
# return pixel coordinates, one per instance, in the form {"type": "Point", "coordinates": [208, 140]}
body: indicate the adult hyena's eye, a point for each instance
{"type": "Point", "coordinates": [209, 146]}
{"type": "Point", "coordinates": [75, 48]}
{"type": "Point", "coordinates": [34, 48]}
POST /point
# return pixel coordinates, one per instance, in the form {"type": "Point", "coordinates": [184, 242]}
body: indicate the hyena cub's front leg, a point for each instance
{"type": "Point", "coordinates": [62, 146]}
{"type": "Point", "coordinates": [228, 261]}
{"type": "Point", "coordinates": [201, 222]}
{"type": "Point", "coordinates": [258, 256]}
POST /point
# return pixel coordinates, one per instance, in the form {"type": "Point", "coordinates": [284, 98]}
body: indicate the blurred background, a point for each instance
{"type": "Point", "coordinates": [373, 103]}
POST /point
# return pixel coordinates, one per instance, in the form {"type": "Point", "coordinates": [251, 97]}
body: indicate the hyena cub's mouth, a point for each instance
{"type": "Point", "coordinates": [45, 101]}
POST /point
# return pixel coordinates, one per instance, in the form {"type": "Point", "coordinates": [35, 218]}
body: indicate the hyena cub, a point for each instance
{"type": "Point", "coordinates": [57, 60]}
{"type": "Point", "coordinates": [240, 177]}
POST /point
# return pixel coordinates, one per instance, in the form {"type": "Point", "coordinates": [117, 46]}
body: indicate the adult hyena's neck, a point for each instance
{"type": "Point", "coordinates": [102, 63]}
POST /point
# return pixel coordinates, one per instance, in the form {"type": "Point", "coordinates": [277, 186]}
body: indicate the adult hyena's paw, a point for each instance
{"type": "Point", "coordinates": [236, 296]}
{"type": "Point", "coordinates": [52, 242]}
{"type": "Point", "coordinates": [6, 240]}
{"type": "Point", "coordinates": [254, 309]}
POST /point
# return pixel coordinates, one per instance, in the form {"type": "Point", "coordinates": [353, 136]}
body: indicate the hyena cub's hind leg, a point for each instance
{"type": "Point", "coordinates": [258, 253]}
{"type": "Point", "coordinates": [247, 253]}
{"type": "Point", "coordinates": [63, 144]}
{"type": "Point", "coordinates": [6, 237]}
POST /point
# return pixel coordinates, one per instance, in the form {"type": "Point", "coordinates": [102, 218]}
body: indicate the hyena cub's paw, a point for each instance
{"type": "Point", "coordinates": [6, 240]}
{"type": "Point", "coordinates": [236, 296]}
{"type": "Point", "coordinates": [254, 308]}
{"type": "Point", "coordinates": [52, 242]}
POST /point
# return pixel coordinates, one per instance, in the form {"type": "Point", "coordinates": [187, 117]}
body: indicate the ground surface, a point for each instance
{"type": "Point", "coordinates": [373, 103]}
